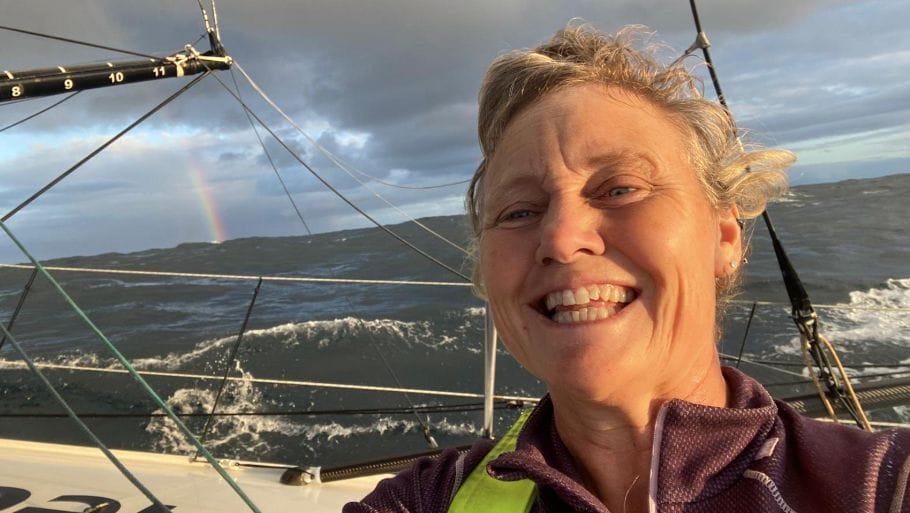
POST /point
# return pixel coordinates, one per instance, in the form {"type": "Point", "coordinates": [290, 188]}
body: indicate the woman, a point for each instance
{"type": "Point", "coordinates": [606, 212]}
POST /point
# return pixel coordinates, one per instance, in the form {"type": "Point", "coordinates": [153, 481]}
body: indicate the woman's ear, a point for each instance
{"type": "Point", "coordinates": [729, 251]}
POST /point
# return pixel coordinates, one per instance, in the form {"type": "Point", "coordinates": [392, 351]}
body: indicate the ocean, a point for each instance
{"type": "Point", "coordinates": [850, 242]}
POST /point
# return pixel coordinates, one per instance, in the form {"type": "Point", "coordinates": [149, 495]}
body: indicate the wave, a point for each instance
{"type": "Point", "coordinates": [874, 316]}
{"type": "Point", "coordinates": [878, 316]}
{"type": "Point", "coordinates": [321, 334]}
{"type": "Point", "coordinates": [252, 433]}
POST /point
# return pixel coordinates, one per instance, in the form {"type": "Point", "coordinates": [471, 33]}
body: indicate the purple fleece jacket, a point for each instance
{"type": "Point", "coordinates": [755, 456]}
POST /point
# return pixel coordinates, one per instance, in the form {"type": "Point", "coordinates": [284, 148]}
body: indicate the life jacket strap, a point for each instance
{"type": "Point", "coordinates": [481, 492]}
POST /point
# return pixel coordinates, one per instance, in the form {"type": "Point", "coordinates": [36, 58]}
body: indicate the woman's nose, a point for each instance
{"type": "Point", "coordinates": [568, 231]}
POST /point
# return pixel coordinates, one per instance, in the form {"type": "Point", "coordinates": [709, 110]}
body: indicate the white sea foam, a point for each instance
{"type": "Point", "coordinates": [475, 311]}
{"type": "Point", "coordinates": [791, 197]}
{"type": "Point", "coordinates": [903, 412]}
{"type": "Point", "coordinates": [322, 333]}
{"type": "Point", "coordinates": [247, 431]}
{"type": "Point", "coordinates": [76, 360]}
{"type": "Point", "coordinates": [874, 321]}
{"type": "Point", "coordinates": [176, 360]}
{"type": "Point", "coordinates": [325, 333]}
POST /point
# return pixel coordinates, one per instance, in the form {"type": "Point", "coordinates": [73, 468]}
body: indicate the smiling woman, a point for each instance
{"type": "Point", "coordinates": [607, 215]}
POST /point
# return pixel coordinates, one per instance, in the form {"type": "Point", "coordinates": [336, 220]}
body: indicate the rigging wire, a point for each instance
{"type": "Point", "coordinates": [249, 277]}
{"type": "Point", "coordinates": [129, 368]}
{"type": "Point", "coordinates": [19, 304]}
{"type": "Point", "coordinates": [742, 346]}
{"type": "Point", "coordinates": [101, 148]}
{"type": "Point", "coordinates": [805, 317]}
{"type": "Point", "coordinates": [77, 42]}
{"type": "Point", "coordinates": [402, 410]}
{"type": "Point", "coordinates": [852, 366]}
{"type": "Point", "coordinates": [763, 365]}
{"type": "Point", "coordinates": [215, 21]}
{"type": "Point", "coordinates": [867, 378]}
{"type": "Point", "coordinates": [825, 306]}
{"type": "Point", "coordinates": [245, 277]}
{"type": "Point", "coordinates": [423, 424]}
{"type": "Point", "coordinates": [338, 162]}
{"type": "Point", "coordinates": [410, 187]}
{"type": "Point", "coordinates": [291, 382]}
{"type": "Point", "coordinates": [335, 190]}
{"type": "Point", "coordinates": [42, 111]}
{"type": "Point", "coordinates": [271, 162]}
{"type": "Point", "coordinates": [85, 429]}
{"type": "Point", "coordinates": [228, 365]}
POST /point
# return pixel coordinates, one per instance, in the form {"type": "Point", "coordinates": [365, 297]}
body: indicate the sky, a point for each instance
{"type": "Point", "coordinates": [390, 87]}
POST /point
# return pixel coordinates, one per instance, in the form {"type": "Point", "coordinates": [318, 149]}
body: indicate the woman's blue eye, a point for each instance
{"type": "Point", "coordinates": [619, 191]}
{"type": "Point", "coordinates": [518, 214]}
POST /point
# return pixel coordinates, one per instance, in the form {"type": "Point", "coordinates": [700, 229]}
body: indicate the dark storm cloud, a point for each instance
{"type": "Point", "coordinates": [390, 87]}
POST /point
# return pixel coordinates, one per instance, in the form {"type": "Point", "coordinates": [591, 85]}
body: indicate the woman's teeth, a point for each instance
{"type": "Point", "coordinates": [589, 303]}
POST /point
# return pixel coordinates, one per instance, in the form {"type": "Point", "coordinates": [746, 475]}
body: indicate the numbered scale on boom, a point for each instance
{"type": "Point", "coordinates": [19, 85]}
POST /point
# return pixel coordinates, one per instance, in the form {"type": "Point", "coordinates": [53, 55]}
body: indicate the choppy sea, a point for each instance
{"type": "Point", "coordinates": [850, 242]}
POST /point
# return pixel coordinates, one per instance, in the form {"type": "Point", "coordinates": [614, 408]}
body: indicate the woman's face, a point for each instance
{"type": "Point", "coordinates": [590, 199]}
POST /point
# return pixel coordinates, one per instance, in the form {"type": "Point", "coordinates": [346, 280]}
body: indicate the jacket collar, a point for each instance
{"type": "Point", "coordinates": [702, 449]}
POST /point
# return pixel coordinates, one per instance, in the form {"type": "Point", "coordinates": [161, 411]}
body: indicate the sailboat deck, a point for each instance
{"type": "Point", "coordinates": [52, 471]}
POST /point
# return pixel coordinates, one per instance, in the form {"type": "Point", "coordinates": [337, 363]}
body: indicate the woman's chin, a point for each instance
{"type": "Point", "coordinates": [598, 383]}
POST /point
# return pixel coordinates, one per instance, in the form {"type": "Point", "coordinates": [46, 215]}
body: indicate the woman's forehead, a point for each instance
{"type": "Point", "coordinates": [584, 128]}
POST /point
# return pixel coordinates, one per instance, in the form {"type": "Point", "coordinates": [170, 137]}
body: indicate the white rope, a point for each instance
{"type": "Point", "coordinates": [338, 162]}
{"type": "Point", "coordinates": [304, 279]}
{"type": "Point", "coordinates": [872, 423]}
{"type": "Point", "coordinates": [268, 381]}
{"type": "Point", "coordinates": [827, 306]}
{"type": "Point", "coordinates": [765, 365]}
{"type": "Point", "coordinates": [244, 277]}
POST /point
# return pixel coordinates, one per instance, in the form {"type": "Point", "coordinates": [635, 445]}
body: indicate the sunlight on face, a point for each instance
{"type": "Point", "coordinates": [599, 250]}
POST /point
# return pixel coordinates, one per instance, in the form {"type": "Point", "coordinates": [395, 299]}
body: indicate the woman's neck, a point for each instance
{"type": "Point", "coordinates": [612, 442]}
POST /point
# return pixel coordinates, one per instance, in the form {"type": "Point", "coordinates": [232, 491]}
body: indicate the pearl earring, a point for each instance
{"type": "Point", "coordinates": [734, 264]}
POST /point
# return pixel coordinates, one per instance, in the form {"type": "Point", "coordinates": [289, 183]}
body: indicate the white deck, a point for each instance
{"type": "Point", "coordinates": [49, 471]}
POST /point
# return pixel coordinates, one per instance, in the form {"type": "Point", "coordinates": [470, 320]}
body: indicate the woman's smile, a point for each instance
{"type": "Point", "coordinates": [588, 303]}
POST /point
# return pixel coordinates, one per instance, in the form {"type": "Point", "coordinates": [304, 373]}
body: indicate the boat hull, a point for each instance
{"type": "Point", "coordinates": [57, 477]}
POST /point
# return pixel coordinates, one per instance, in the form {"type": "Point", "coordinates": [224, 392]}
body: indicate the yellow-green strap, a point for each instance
{"type": "Point", "coordinates": [481, 492]}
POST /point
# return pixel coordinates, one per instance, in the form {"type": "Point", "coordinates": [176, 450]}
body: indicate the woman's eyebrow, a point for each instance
{"type": "Point", "coordinates": [612, 160]}
{"type": "Point", "coordinates": [504, 192]}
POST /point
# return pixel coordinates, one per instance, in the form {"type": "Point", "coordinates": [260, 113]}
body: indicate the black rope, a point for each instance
{"type": "Point", "coordinates": [702, 42]}
{"type": "Point", "coordinates": [425, 426]}
{"type": "Point", "coordinates": [101, 148]}
{"type": "Point", "coordinates": [271, 162]}
{"type": "Point", "coordinates": [788, 383]}
{"type": "Point", "coordinates": [40, 112]}
{"type": "Point", "coordinates": [22, 296]}
{"type": "Point", "coordinates": [742, 345]}
{"type": "Point", "coordinates": [77, 42]}
{"type": "Point", "coordinates": [337, 192]}
{"type": "Point", "coordinates": [229, 364]}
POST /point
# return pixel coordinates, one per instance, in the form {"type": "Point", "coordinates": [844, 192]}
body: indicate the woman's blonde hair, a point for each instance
{"type": "Point", "coordinates": [729, 173]}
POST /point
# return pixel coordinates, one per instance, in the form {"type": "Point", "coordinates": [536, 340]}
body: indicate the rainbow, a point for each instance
{"type": "Point", "coordinates": [217, 231]}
